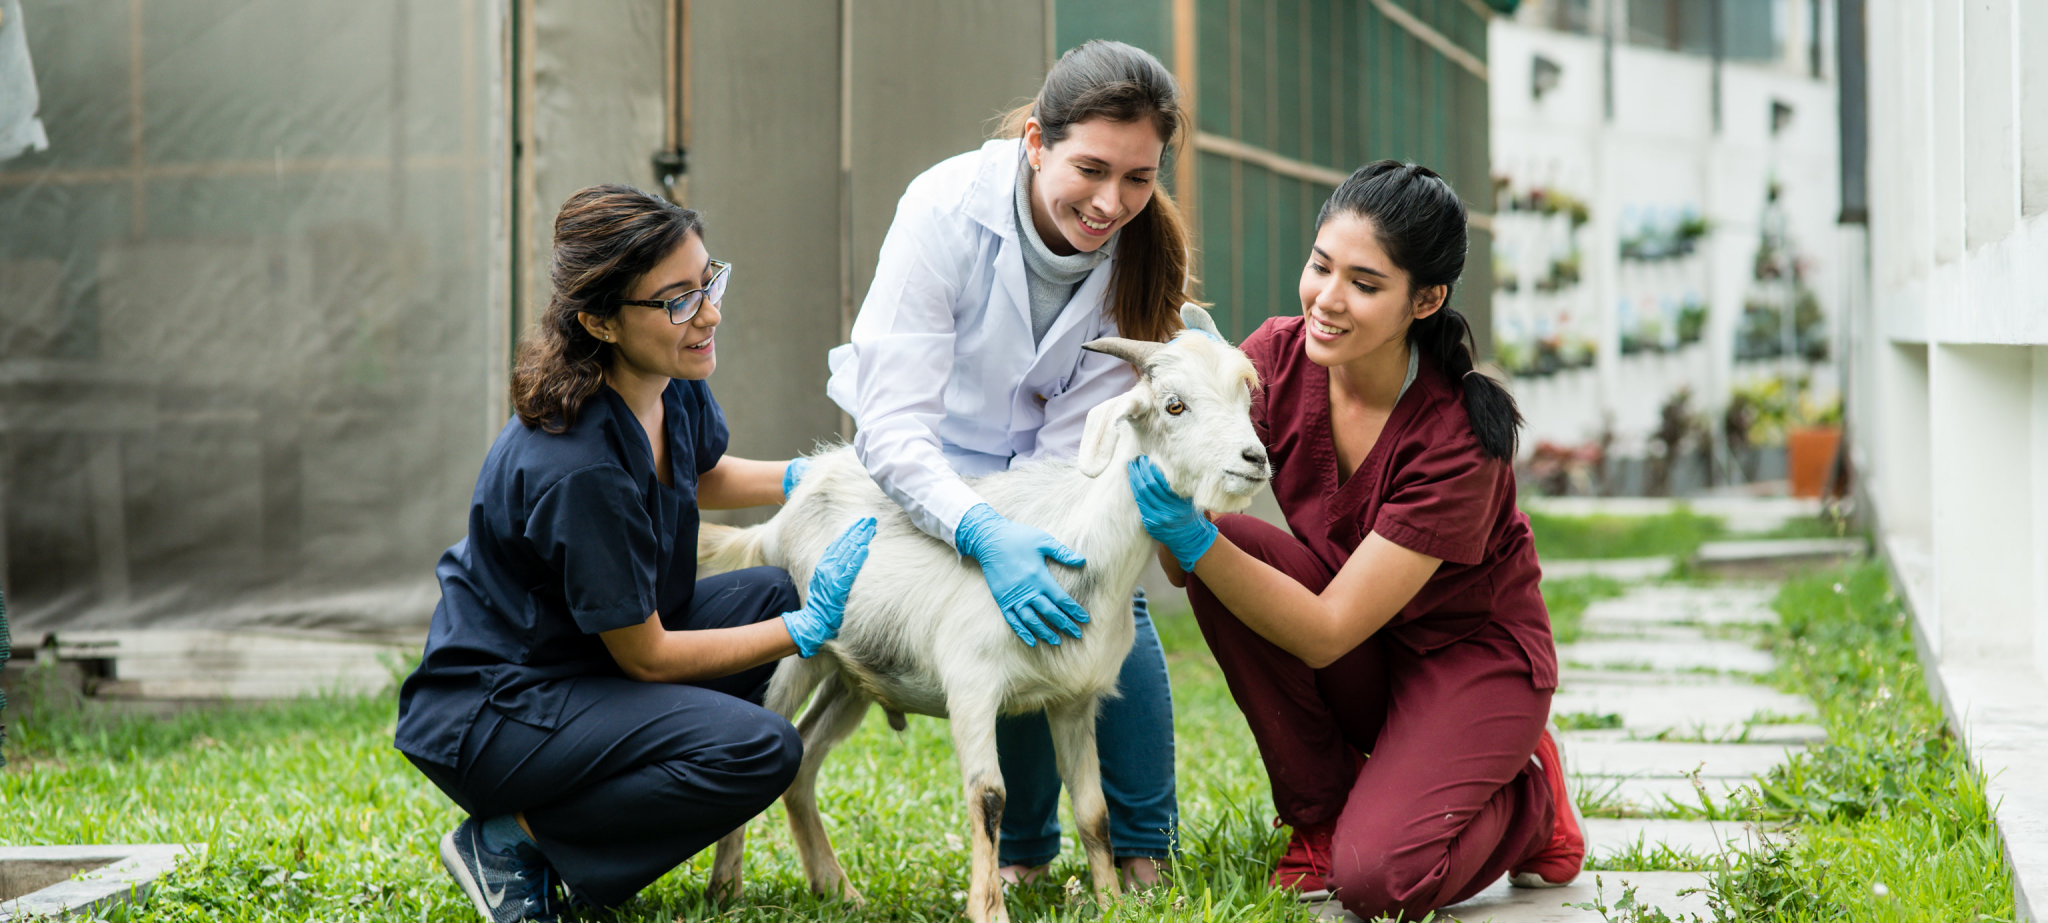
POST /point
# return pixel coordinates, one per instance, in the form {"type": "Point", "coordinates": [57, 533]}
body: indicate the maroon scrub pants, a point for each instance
{"type": "Point", "coordinates": [1446, 801]}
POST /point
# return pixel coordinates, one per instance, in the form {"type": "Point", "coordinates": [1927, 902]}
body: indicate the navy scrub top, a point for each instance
{"type": "Point", "coordinates": [570, 534]}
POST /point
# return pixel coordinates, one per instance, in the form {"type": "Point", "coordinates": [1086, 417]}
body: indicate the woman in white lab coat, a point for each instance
{"type": "Point", "coordinates": [966, 359]}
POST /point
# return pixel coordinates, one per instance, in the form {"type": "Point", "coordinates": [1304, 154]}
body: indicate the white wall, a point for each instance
{"type": "Point", "coordinates": [1950, 422]}
{"type": "Point", "coordinates": [1659, 155]}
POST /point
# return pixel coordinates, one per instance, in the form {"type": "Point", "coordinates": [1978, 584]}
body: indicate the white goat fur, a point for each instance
{"type": "Point", "coordinates": [922, 634]}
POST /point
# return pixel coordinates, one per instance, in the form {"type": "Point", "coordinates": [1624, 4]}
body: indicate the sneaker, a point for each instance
{"type": "Point", "coordinates": [1306, 865]}
{"type": "Point", "coordinates": [504, 888]}
{"type": "Point", "coordinates": [1557, 864]}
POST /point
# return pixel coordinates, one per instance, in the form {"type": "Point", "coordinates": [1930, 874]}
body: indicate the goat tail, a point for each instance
{"type": "Point", "coordinates": [722, 549]}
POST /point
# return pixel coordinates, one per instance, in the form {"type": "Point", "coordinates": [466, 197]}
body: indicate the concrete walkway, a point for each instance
{"type": "Point", "coordinates": [1670, 714]}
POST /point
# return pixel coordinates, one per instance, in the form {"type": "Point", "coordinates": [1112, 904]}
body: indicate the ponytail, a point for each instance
{"type": "Point", "coordinates": [1421, 224]}
{"type": "Point", "coordinates": [1446, 338]}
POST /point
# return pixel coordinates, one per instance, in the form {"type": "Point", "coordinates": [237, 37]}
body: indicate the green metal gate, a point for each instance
{"type": "Point", "coordinates": [1289, 97]}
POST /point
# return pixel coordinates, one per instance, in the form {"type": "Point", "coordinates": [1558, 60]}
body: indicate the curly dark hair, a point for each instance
{"type": "Point", "coordinates": [606, 238]}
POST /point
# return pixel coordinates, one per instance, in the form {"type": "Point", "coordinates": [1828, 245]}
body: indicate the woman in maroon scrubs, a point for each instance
{"type": "Point", "coordinates": [1393, 655]}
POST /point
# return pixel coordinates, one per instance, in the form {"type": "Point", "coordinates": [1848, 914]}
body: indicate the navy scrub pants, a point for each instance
{"type": "Point", "coordinates": [638, 777]}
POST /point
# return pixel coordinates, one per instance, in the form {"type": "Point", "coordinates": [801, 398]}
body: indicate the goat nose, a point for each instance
{"type": "Point", "coordinates": [1256, 455]}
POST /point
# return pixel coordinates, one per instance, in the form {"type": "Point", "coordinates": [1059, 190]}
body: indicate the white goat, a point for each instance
{"type": "Point", "coordinates": [922, 634]}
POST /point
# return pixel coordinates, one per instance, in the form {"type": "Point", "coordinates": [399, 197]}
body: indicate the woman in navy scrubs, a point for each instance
{"type": "Point", "coordinates": [592, 705]}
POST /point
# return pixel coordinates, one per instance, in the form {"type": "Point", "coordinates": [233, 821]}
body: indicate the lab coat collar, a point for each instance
{"type": "Point", "coordinates": [991, 198]}
{"type": "Point", "coordinates": [992, 201]}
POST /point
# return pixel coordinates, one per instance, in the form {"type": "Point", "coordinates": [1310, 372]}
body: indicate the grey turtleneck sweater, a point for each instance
{"type": "Point", "coordinates": [1049, 277]}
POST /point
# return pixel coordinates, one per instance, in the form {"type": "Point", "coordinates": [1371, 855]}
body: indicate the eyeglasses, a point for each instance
{"type": "Point", "coordinates": [686, 305]}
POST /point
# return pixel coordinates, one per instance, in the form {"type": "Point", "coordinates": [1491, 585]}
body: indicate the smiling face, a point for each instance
{"type": "Point", "coordinates": [643, 342]}
{"type": "Point", "coordinates": [1356, 301]}
{"type": "Point", "coordinates": [1093, 181]}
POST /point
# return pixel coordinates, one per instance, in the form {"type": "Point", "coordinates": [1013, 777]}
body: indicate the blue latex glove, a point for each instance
{"type": "Point", "coordinates": [1012, 559]}
{"type": "Point", "coordinates": [818, 621]}
{"type": "Point", "coordinates": [1170, 518]}
{"type": "Point", "coordinates": [792, 474]}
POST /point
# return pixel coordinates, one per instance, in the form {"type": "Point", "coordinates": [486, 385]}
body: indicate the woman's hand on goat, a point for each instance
{"type": "Point", "coordinates": [1012, 557]}
{"type": "Point", "coordinates": [793, 474]}
{"type": "Point", "coordinates": [1170, 518]}
{"type": "Point", "coordinates": [818, 621]}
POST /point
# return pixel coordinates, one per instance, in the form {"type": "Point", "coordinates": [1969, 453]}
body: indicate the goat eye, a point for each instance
{"type": "Point", "coordinates": [1174, 406]}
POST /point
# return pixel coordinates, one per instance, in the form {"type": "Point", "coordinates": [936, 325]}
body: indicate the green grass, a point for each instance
{"type": "Point", "coordinates": [1567, 599]}
{"type": "Point", "coordinates": [1585, 721]}
{"type": "Point", "coordinates": [1678, 533]}
{"type": "Point", "coordinates": [1890, 816]}
{"type": "Point", "coordinates": [309, 814]}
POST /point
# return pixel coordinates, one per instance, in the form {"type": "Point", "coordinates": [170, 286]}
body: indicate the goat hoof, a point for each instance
{"type": "Point", "coordinates": [723, 892]}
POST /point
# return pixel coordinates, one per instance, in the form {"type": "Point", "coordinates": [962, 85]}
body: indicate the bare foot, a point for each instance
{"type": "Point", "coordinates": [1022, 874]}
{"type": "Point", "coordinates": [1141, 871]}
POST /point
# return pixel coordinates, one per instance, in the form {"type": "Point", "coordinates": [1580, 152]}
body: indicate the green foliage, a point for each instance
{"type": "Point", "coordinates": [1585, 721]}
{"type": "Point", "coordinates": [309, 814]}
{"type": "Point", "coordinates": [1889, 815]}
{"type": "Point", "coordinates": [1677, 533]}
{"type": "Point", "coordinates": [1625, 909]}
{"type": "Point", "coordinates": [1567, 599]}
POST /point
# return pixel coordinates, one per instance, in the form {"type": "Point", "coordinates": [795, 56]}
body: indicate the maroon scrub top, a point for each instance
{"type": "Point", "coordinates": [1426, 486]}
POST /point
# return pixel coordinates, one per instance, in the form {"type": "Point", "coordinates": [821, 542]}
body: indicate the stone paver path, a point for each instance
{"type": "Point", "coordinates": [1665, 696]}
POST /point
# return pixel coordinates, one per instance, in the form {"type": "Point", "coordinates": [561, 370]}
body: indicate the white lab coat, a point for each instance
{"type": "Point", "coordinates": [942, 377]}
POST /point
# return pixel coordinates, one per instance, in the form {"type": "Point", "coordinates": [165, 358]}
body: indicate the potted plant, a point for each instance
{"type": "Point", "coordinates": [1810, 447]}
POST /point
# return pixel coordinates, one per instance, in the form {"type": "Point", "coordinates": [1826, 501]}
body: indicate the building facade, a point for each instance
{"type": "Point", "coordinates": [1948, 398]}
{"type": "Point", "coordinates": [1666, 226]}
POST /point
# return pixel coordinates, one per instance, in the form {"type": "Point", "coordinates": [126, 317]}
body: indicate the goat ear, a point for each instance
{"type": "Point", "coordinates": [1135, 352]}
{"type": "Point", "coordinates": [1195, 318]}
{"type": "Point", "coordinates": [1105, 426]}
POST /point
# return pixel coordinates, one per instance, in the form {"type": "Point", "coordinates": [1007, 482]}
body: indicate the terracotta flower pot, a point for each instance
{"type": "Point", "coordinates": [1809, 451]}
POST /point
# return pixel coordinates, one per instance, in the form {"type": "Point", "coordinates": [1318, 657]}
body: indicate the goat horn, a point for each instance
{"type": "Point", "coordinates": [1135, 352]}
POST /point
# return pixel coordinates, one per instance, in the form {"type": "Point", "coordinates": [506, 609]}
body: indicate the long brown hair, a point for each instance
{"type": "Point", "coordinates": [606, 238]}
{"type": "Point", "coordinates": [1122, 83]}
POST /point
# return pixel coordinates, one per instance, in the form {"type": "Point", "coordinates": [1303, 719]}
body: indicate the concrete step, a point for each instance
{"type": "Point", "coordinates": [1651, 796]}
{"type": "Point", "coordinates": [1503, 903]}
{"type": "Point", "coordinates": [245, 664]}
{"type": "Point", "coordinates": [1678, 652]}
{"type": "Point", "coordinates": [1683, 605]}
{"type": "Point", "coordinates": [1608, 837]}
{"type": "Point", "coordinates": [1627, 570]}
{"type": "Point", "coordinates": [1658, 759]}
{"type": "Point", "coordinates": [1691, 705]}
{"type": "Point", "coordinates": [1774, 558]}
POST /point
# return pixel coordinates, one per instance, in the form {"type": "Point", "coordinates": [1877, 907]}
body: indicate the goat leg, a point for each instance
{"type": "Point", "coordinates": [725, 867]}
{"type": "Point", "coordinates": [1073, 744]}
{"type": "Point", "coordinates": [974, 744]}
{"type": "Point", "coordinates": [835, 712]}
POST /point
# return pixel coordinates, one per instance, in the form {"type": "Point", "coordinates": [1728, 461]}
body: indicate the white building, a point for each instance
{"type": "Point", "coordinates": [1670, 153]}
{"type": "Point", "coordinates": [1948, 400]}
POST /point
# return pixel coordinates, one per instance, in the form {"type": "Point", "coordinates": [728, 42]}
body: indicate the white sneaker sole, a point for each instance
{"type": "Point", "coordinates": [459, 870]}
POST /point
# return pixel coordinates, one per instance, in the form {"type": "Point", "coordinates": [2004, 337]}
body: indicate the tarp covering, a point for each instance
{"type": "Point", "coordinates": [247, 333]}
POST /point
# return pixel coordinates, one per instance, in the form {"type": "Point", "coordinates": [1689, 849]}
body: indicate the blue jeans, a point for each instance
{"type": "Point", "coordinates": [1137, 773]}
